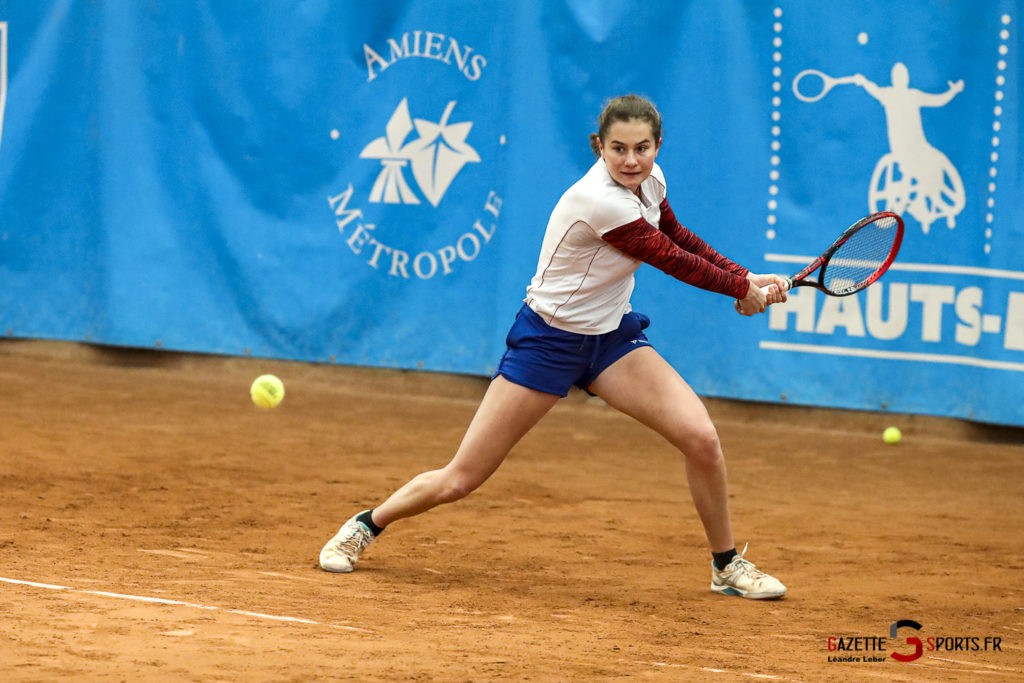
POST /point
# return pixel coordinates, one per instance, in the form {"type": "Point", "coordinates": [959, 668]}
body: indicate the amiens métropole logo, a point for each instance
{"type": "Point", "coordinates": [905, 643]}
{"type": "Point", "coordinates": [419, 154]}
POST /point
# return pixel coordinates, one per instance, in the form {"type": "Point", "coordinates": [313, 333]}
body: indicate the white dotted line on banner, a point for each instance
{"type": "Point", "coordinates": [776, 145]}
{"type": "Point", "coordinates": [997, 124]}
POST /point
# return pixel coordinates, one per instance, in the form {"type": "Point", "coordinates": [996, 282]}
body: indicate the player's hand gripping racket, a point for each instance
{"type": "Point", "coordinates": [856, 259]}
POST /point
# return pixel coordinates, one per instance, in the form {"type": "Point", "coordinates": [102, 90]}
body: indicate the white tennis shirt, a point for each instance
{"type": "Point", "coordinates": [583, 283]}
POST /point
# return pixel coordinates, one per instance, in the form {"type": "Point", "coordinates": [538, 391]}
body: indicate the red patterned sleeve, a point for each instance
{"type": "Point", "coordinates": [643, 241]}
{"type": "Point", "coordinates": [694, 244]}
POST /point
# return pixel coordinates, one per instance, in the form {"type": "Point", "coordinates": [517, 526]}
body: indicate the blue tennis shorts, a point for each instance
{"type": "Point", "coordinates": [553, 361]}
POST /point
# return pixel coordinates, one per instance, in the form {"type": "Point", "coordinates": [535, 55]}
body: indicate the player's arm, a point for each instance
{"type": "Point", "coordinates": [644, 242]}
{"type": "Point", "coordinates": [690, 242]}
{"type": "Point", "coordinates": [869, 87]}
{"type": "Point", "coordinates": [941, 99]}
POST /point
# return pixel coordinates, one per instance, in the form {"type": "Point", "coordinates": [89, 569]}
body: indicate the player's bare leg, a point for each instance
{"type": "Point", "coordinates": [506, 413]}
{"type": "Point", "coordinates": [643, 385]}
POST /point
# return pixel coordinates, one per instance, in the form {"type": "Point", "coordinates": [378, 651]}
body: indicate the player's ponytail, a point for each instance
{"type": "Point", "coordinates": [625, 108]}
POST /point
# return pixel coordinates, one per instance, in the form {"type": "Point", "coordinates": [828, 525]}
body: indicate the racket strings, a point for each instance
{"type": "Point", "coordinates": [856, 262]}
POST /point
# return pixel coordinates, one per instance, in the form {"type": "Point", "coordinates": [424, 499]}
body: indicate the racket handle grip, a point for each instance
{"type": "Point", "coordinates": [789, 285]}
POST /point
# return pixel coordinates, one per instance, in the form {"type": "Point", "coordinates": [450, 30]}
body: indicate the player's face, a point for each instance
{"type": "Point", "coordinates": [629, 150]}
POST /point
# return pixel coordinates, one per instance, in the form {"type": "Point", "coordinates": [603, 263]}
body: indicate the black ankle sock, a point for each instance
{"type": "Point", "coordinates": [722, 560]}
{"type": "Point", "coordinates": [367, 519]}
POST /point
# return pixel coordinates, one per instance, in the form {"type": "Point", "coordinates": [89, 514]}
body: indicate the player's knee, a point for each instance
{"type": "Point", "coordinates": [456, 486]}
{"type": "Point", "coordinates": [702, 446]}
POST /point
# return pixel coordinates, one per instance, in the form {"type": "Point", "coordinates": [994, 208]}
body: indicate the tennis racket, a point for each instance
{"type": "Point", "coordinates": [856, 259]}
{"type": "Point", "coordinates": [827, 83]}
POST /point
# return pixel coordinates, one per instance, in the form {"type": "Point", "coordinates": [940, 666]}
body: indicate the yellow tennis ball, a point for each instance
{"type": "Point", "coordinates": [892, 435]}
{"type": "Point", "coordinates": [267, 391]}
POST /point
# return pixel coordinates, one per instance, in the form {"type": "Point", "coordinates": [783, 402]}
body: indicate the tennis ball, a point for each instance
{"type": "Point", "coordinates": [892, 435]}
{"type": "Point", "coordinates": [267, 391]}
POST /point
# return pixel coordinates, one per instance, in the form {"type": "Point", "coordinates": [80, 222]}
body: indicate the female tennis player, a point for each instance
{"type": "Point", "coordinates": [577, 327]}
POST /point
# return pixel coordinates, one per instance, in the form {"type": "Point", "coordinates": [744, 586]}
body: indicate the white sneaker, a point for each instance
{"type": "Point", "coordinates": [342, 551]}
{"type": "Point", "coordinates": [740, 577]}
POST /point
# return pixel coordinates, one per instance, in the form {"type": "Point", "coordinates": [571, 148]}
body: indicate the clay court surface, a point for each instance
{"type": "Point", "coordinates": [158, 526]}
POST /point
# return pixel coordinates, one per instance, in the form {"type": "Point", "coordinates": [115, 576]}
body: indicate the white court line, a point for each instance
{"type": "Point", "coordinates": [914, 267]}
{"type": "Point", "coordinates": [894, 355]}
{"type": "Point", "coordinates": [984, 666]}
{"type": "Point", "coordinates": [706, 669]}
{"type": "Point", "coordinates": [179, 603]}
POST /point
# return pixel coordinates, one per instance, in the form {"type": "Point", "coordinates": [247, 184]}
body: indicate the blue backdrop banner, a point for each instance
{"type": "Point", "coordinates": [368, 183]}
